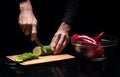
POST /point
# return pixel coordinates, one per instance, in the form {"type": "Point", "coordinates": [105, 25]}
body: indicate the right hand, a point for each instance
{"type": "Point", "coordinates": [28, 23]}
{"type": "Point", "coordinates": [27, 20]}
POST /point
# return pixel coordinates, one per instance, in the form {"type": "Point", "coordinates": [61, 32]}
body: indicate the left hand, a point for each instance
{"type": "Point", "coordinates": [61, 38]}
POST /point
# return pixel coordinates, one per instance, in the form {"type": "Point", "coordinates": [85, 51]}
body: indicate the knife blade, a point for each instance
{"type": "Point", "coordinates": [40, 44]}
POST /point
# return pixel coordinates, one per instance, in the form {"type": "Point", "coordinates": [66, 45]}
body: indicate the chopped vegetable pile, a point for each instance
{"type": "Point", "coordinates": [37, 51]}
{"type": "Point", "coordinates": [25, 56]}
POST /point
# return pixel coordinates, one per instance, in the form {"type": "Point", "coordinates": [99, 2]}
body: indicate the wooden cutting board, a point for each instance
{"type": "Point", "coordinates": [43, 59]}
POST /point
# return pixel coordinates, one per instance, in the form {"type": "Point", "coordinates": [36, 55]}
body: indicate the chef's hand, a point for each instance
{"type": "Point", "coordinates": [27, 20]}
{"type": "Point", "coordinates": [61, 38]}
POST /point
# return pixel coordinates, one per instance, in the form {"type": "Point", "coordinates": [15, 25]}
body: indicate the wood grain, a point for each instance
{"type": "Point", "coordinates": [43, 59]}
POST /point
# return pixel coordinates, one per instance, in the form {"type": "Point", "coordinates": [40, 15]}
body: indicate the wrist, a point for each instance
{"type": "Point", "coordinates": [25, 6]}
{"type": "Point", "coordinates": [65, 27]}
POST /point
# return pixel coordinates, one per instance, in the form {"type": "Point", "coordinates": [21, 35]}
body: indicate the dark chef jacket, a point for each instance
{"type": "Point", "coordinates": [49, 13]}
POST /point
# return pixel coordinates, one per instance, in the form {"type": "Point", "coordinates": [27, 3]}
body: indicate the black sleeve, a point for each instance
{"type": "Point", "coordinates": [20, 0]}
{"type": "Point", "coordinates": [70, 11]}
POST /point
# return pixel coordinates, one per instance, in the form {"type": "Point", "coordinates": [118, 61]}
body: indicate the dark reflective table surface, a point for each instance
{"type": "Point", "coordinates": [67, 68]}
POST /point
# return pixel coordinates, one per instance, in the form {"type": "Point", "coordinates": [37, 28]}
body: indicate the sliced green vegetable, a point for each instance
{"type": "Point", "coordinates": [38, 51]}
{"type": "Point", "coordinates": [25, 56]}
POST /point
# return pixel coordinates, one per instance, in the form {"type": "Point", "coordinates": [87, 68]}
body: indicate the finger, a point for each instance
{"type": "Point", "coordinates": [28, 29]}
{"type": "Point", "coordinates": [55, 41]}
{"type": "Point", "coordinates": [33, 32]}
{"type": "Point", "coordinates": [60, 44]}
{"type": "Point", "coordinates": [24, 28]}
{"type": "Point", "coordinates": [67, 40]}
{"type": "Point", "coordinates": [64, 44]}
{"type": "Point", "coordinates": [20, 24]}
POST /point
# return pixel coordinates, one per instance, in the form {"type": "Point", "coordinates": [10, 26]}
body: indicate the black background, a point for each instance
{"type": "Point", "coordinates": [93, 17]}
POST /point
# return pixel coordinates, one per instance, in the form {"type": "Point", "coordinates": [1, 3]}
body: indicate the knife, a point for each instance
{"type": "Point", "coordinates": [40, 44]}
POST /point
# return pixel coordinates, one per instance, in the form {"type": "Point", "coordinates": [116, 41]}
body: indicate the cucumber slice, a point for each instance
{"type": "Point", "coordinates": [38, 51]}
{"type": "Point", "coordinates": [19, 60]}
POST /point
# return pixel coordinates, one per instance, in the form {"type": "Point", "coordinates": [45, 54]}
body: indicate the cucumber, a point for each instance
{"type": "Point", "coordinates": [39, 52]}
{"type": "Point", "coordinates": [36, 52]}
{"type": "Point", "coordinates": [25, 56]}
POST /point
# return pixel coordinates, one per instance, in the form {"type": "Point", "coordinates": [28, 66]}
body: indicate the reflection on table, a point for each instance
{"type": "Point", "coordinates": [67, 68]}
